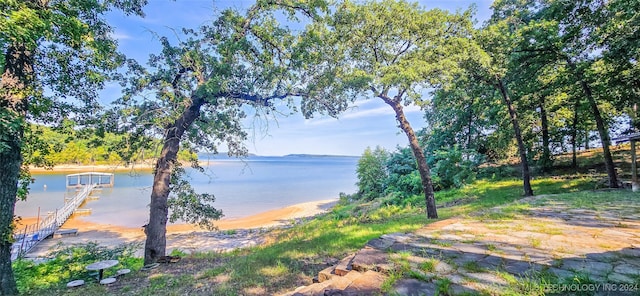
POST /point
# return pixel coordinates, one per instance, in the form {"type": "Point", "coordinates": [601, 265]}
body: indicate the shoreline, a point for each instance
{"type": "Point", "coordinates": [231, 234]}
{"type": "Point", "coordinates": [101, 168]}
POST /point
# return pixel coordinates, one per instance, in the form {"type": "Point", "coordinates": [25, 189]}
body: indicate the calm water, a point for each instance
{"type": "Point", "coordinates": [242, 188]}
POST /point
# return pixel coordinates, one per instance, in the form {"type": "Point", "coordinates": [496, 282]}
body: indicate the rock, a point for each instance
{"type": "Point", "coordinates": [380, 244]}
{"type": "Point", "coordinates": [589, 267]}
{"type": "Point", "coordinates": [369, 259]}
{"type": "Point", "coordinates": [339, 283]}
{"type": "Point", "coordinates": [486, 278]}
{"type": "Point", "coordinates": [326, 274]}
{"type": "Point", "coordinates": [353, 275]}
{"type": "Point", "coordinates": [397, 236]}
{"type": "Point", "coordinates": [411, 287]}
{"type": "Point", "coordinates": [344, 266]}
{"type": "Point", "coordinates": [368, 283]}
{"type": "Point", "coordinates": [561, 273]}
{"type": "Point", "coordinates": [620, 278]}
{"type": "Point", "coordinates": [517, 268]}
{"type": "Point", "coordinates": [401, 247]}
{"type": "Point", "coordinates": [315, 289]}
{"type": "Point", "coordinates": [627, 269]}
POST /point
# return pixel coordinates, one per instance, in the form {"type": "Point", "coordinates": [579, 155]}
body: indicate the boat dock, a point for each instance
{"type": "Point", "coordinates": [85, 183]}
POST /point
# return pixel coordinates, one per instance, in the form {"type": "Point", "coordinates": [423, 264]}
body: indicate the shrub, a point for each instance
{"type": "Point", "coordinates": [404, 178]}
{"type": "Point", "coordinates": [453, 168]}
{"type": "Point", "coordinates": [372, 173]}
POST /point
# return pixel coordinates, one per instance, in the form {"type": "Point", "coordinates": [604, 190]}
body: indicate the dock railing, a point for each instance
{"type": "Point", "coordinates": [31, 235]}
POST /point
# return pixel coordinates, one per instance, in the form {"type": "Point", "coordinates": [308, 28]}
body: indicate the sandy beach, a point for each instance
{"type": "Point", "coordinates": [189, 238]}
{"type": "Point", "coordinates": [102, 168]}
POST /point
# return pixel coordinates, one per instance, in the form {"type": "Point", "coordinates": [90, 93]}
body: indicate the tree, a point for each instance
{"type": "Point", "coordinates": [372, 173]}
{"type": "Point", "coordinates": [390, 50]}
{"type": "Point", "coordinates": [198, 89]}
{"type": "Point", "coordinates": [488, 64]}
{"type": "Point", "coordinates": [564, 34]}
{"type": "Point", "coordinates": [63, 47]}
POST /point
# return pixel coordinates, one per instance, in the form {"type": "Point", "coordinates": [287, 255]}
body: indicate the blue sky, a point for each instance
{"type": "Point", "coordinates": [367, 124]}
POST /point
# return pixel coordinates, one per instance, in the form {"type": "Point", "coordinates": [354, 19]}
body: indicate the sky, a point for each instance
{"type": "Point", "coordinates": [368, 123]}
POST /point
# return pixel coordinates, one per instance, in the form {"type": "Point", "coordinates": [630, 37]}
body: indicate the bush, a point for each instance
{"type": "Point", "coordinates": [453, 168]}
{"type": "Point", "coordinates": [404, 178]}
{"type": "Point", "coordinates": [372, 173]}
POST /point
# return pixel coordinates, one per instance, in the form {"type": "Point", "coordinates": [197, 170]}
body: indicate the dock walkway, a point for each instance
{"type": "Point", "coordinates": [28, 238]}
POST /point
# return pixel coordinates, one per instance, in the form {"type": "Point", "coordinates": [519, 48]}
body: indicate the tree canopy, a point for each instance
{"type": "Point", "coordinates": [54, 53]}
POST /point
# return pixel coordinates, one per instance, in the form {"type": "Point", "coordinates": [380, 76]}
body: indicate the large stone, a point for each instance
{"type": "Point", "coordinates": [631, 252]}
{"type": "Point", "coordinates": [401, 247]}
{"type": "Point", "coordinates": [368, 283]}
{"type": "Point", "coordinates": [312, 290]}
{"type": "Point", "coordinates": [397, 236]}
{"type": "Point", "coordinates": [602, 257]}
{"type": "Point", "coordinates": [455, 289]}
{"type": "Point", "coordinates": [620, 278]}
{"type": "Point", "coordinates": [369, 259]}
{"type": "Point", "coordinates": [353, 275]}
{"type": "Point", "coordinates": [339, 283]}
{"type": "Point", "coordinates": [518, 268]}
{"type": "Point", "coordinates": [486, 278]}
{"type": "Point", "coordinates": [470, 249]}
{"type": "Point", "coordinates": [490, 262]}
{"type": "Point", "coordinates": [326, 274]}
{"type": "Point", "coordinates": [380, 244]}
{"type": "Point", "coordinates": [344, 266]}
{"type": "Point", "coordinates": [561, 273]}
{"type": "Point", "coordinates": [411, 287]}
{"type": "Point", "coordinates": [595, 268]}
{"type": "Point", "coordinates": [627, 269]}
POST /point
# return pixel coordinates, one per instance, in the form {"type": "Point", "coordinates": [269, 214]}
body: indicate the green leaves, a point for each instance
{"type": "Point", "coordinates": [389, 45]}
{"type": "Point", "coordinates": [186, 205]}
{"type": "Point", "coordinates": [372, 173]}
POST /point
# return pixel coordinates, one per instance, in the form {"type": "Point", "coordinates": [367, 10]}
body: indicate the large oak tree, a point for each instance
{"type": "Point", "coordinates": [390, 50]}
{"type": "Point", "coordinates": [192, 95]}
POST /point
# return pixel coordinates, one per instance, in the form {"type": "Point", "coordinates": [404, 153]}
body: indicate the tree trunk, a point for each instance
{"type": "Point", "coordinates": [574, 137]}
{"type": "Point", "coordinates": [602, 130]}
{"type": "Point", "coordinates": [423, 167]}
{"type": "Point", "coordinates": [156, 229]}
{"type": "Point", "coordinates": [604, 137]}
{"type": "Point", "coordinates": [14, 95]}
{"type": "Point", "coordinates": [546, 151]}
{"type": "Point", "coordinates": [526, 174]}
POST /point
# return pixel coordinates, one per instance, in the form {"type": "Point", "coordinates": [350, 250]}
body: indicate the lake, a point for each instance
{"type": "Point", "coordinates": [242, 187]}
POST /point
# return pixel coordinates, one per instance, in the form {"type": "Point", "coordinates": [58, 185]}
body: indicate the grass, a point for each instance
{"type": "Point", "coordinates": [429, 265]}
{"type": "Point", "coordinates": [295, 255]}
{"type": "Point", "coordinates": [472, 266]}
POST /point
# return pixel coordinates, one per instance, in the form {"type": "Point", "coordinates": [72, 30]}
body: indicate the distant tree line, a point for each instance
{"type": "Point", "coordinates": [74, 145]}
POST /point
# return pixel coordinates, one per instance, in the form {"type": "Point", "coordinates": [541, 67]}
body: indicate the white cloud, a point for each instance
{"type": "Point", "coordinates": [356, 113]}
{"type": "Point", "coordinates": [121, 36]}
{"type": "Point", "coordinates": [381, 110]}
